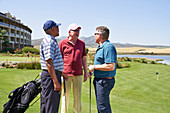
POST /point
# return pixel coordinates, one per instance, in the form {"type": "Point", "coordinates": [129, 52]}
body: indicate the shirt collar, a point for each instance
{"type": "Point", "coordinates": [68, 41]}
{"type": "Point", "coordinates": [104, 43]}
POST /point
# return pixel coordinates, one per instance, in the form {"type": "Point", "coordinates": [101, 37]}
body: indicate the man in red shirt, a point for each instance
{"type": "Point", "coordinates": [74, 57]}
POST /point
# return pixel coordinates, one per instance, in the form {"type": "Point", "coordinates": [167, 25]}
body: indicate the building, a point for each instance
{"type": "Point", "coordinates": [18, 35]}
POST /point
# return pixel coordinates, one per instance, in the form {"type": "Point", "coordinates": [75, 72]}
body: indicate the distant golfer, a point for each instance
{"type": "Point", "coordinates": [104, 69]}
{"type": "Point", "coordinates": [28, 54]}
{"type": "Point", "coordinates": [52, 65]}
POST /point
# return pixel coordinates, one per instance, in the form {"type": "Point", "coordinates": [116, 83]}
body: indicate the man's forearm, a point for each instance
{"type": "Point", "coordinates": [51, 70]}
{"type": "Point", "coordinates": [85, 64]}
{"type": "Point", "coordinates": [105, 67]}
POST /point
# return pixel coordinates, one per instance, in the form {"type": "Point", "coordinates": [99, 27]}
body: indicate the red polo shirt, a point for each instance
{"type": "Point", "coordinates": [72, 56]}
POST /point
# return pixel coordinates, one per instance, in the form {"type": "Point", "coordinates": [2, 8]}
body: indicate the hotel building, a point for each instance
{"type": "Point", "coordinates": [18, 35]}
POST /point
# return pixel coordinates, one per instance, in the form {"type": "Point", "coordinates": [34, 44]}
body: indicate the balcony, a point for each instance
{"type": "Point", "coordinates": [18, 28]}
{"type": "Point", "coordinates": [22, 36]}
{"type": "Point", "coordinates": [12, 34]}
{"type": "Point", "coordinates": [6, 34]}
{"type": "Point", "coordinates": [11, 42]}
{"type": "Point", "coordinates": [12, 26]}
{"type": "Point", "coordinates": [17, 35]}
{"type": "Point", "coordinates": [4, 24]}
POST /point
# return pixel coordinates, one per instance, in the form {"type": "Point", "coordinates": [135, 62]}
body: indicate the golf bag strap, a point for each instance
{"type": "Point", "coordinates": [13, 92]}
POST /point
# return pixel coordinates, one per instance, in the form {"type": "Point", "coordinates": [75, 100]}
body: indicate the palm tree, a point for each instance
{"type": "Point", "coordinates": [2, 33]}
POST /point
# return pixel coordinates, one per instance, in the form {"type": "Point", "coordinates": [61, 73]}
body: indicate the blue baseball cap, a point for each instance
{"type": "Point", "coordinates": [49, 24]}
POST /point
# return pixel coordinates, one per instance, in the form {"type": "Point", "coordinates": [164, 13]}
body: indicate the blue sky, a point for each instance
{"type": "Point", "coordinates": [144, 22]}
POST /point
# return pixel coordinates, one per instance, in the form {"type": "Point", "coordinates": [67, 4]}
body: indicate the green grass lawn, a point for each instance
{"type": "Point", "coordinates": [137, 89]}
{"type": "Point", "coordinates": [22, 59]}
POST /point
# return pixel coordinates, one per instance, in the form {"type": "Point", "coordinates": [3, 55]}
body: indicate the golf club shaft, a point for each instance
{"type": "Point", "coordinates": [65, 93]}
{"type": "Point", "coordinates": [90, 92]}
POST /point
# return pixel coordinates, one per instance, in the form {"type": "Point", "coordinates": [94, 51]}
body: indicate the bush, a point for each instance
{"type": "Point", "coordinates": [5, 50]}
{"type": "Point", "coordinates": [153, 62]}
{"type": "Point", "coordinates": [31, 50]}
{"type": "Point", "coordinates": [87, 50]}
{"type": "Point", "coordinates": [144, 61]}
{"type": "Point", "coordinates": [33, 65]}
{"type": "Point", "coordinates": [126, 65]}
{"type": "Point", "coordinates": [20, 65]}
{"type": "Point", "coordinates": [123, 65]}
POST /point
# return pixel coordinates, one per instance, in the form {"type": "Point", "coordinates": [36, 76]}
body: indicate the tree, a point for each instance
{"type": "Point", "coordinates": [2, 33]}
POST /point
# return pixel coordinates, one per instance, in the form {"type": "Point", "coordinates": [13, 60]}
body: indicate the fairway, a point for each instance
{"type": "Point", "coordinates": [18, 59]}
{"type": "Point", "coordinates": [137, 89]}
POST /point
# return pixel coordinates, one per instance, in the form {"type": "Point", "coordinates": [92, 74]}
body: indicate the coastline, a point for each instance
{"type": "Point", "coordinates": [134, 53]}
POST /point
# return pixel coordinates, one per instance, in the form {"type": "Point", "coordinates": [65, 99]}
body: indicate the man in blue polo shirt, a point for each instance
{"type": "Point", "coordinates": [104, 69]}
{"type": "Point", "coordinates": [52, 66]}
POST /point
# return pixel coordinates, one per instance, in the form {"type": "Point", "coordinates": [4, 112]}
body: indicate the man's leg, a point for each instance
{"type": "Point", "coordinates": [102, 91]}
{"type": "Point", "coordinates": [50, 99]}
{"type": "Point", "coordinates": [77, 85]}
{"type": "Point", "coordinates": [68, 88]}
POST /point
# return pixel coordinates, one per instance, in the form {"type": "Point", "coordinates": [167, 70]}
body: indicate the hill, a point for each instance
{"type": "Point", "coordinates": [90, 42]}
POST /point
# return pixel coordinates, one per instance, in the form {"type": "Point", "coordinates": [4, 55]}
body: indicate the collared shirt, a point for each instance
{"type": "Point", "coordinates": [106, 53]}
{"type": "Point", "coordinates": [72, 56]}
{"type": "Point", "coordinates": [50, 49]}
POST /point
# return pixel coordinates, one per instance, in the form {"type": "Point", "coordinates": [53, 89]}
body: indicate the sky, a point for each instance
{"type": "Point", "coordinates": [145, 22]}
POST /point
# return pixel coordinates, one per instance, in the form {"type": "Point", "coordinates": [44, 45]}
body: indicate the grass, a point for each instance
{"type": "Point", "coordinates": [22, 59]}
{"type": "Point", "coordinates": [137, 89]}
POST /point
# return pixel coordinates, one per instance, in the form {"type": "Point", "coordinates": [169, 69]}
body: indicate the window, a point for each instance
{"type": "Point", "coordinates": [1, 20]}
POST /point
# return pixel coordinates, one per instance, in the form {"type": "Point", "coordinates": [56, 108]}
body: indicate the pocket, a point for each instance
{"type": "Point", "coordinates": [110, 82]}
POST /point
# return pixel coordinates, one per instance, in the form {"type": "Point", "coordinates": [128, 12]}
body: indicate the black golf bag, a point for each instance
{"type": "Point", "coordinates": [21, 97]}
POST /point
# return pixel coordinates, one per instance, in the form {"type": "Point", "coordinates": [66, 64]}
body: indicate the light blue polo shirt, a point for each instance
{"type": "Point", "coordinates": [49, 49]}
{"type": "Point", "coordinates": [106, 53]}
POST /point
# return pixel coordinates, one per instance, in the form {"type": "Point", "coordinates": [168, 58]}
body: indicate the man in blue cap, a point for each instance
{"type": "Point", "coordinates": [52, 66]}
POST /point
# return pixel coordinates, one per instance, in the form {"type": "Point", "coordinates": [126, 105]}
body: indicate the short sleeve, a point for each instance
{"type": "Point", "coordinates": [110, 54]}
{"type": "Point", "coordinates": [49, 50]}
{"type": "Point", "coordinates": [84, 50]}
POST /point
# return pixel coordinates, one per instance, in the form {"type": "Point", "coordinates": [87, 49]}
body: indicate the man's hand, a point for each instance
{"type": "Point", "coordinates": [57, 86]}
{"type": "Point", "coordinates": [85, 76]}
{"type": "Point", "coordinates": [91, 68]}
{"type": "Point", "coordinates": [65, 76]}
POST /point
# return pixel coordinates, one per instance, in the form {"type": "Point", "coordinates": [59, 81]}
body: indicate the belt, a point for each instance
{"type": "Point", "coordinates": [109, 77]}
{"type": "Point", "coordinates": [106, 77]}
{"type": "Point", "coordinates": [55, 71]}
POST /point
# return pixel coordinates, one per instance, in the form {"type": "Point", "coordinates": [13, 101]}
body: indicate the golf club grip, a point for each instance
{"type": "Point", "coordinates": [64, 85]}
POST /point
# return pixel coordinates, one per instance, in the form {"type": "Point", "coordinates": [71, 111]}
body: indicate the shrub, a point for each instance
{"type": "Point", "coordinates": [30, 65]}
{"type": "Point", "coordinates": [126, 65]}
{"type": "Point", "coordinates": [31, 50]}
{"type": "Point", "coordinates": [118, 65]}
{"type": "Point", "coordinates": [20, 65]}
{"type": "Point", "coordinates": [137, 60]}
{"type": "Point", "coordinates": [123, 65]}
{"type": "Point", "coordinates": [87, 50]}
{"type": "Point", "coordinates": [153, 62]}
{"type": "Point", "coordinates": [17, 51]}
{"type": "Point", "coordinates": [144, 61]}
{"type": "Point", "coordinates": [5, 50]}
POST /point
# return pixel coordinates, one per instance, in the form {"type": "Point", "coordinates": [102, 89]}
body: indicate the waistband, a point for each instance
{"type": "Point", "coordinates": [55, 71]}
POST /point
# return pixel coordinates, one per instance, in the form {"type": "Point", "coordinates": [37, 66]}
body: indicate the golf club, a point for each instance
{"type": "Point", "coordinates": [65, 93]}
{"type": "Point", "coordinates": [90, 92]}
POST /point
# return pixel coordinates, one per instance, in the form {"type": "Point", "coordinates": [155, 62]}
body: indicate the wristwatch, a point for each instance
{"type": "Point", "coordinates": [93, 67]}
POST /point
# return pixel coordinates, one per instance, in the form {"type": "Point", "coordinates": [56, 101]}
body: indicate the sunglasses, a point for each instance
{"type": "Point", "coordinates": [96, 33]}
{"type": "Point", "coordinates": [76, 30]}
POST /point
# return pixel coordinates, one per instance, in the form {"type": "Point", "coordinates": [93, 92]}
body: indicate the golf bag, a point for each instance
{"type": "Point", "coordinates": [21, 97]}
